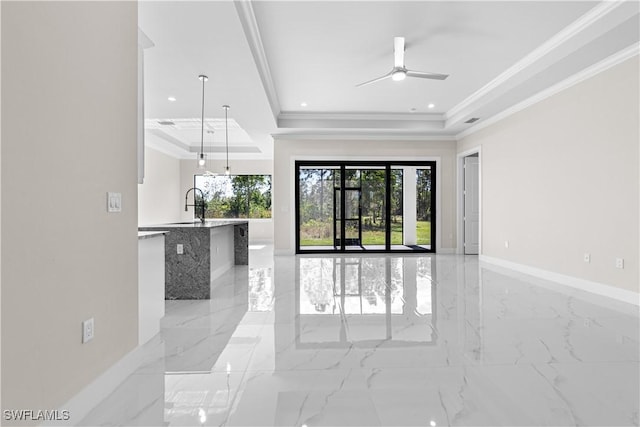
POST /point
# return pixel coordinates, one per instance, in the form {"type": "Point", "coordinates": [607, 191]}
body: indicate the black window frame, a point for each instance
{"type": "Point", "coordinates": [387, 165]}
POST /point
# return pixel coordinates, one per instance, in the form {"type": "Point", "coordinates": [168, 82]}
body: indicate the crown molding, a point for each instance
{"type": "Point", "coordinates": [412, 122]}
{"type": "Point", "coordinates": [594, 15]}
{"type": "Point", "coordinates": [252, 33]}
{"type": "Point", "coordinates": [318, 115]}
{"type": "Point", "coordinates": [583, 75]}
{"type": "Point", "coordinates": [168, 138]}
{"type": "Point", "coordinates": [356, 135]}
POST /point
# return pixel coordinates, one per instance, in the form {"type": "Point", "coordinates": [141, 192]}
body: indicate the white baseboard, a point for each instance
{"type": "Point", "coordinates": [98, 390]}
{"type": "Point", "coordinates": [261, 242]}
{"type": "Point", "coordinates": [220, 270]}
{"type": "Point", "coordinates": [283, 252]}
{"type": "Point", "coordinates": [574, 282]}
{"type": "Point", "coordinates": [446, 251]}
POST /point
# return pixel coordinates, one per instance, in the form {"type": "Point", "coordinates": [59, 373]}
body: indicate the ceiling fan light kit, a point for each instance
{"type": "Point", "coordinates": [399, 71]}
{"type": "Point", "coordinates": [398, 75]}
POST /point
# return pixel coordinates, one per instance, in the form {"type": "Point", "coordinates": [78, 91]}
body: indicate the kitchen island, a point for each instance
{"type": "Point", "coordinates": [196, 253]}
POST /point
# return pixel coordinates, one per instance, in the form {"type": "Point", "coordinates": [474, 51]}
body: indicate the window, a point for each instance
{"type": "Point", "coordinates": [236, 196]}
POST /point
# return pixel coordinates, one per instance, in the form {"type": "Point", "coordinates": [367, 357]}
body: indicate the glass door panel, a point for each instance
{"type": "Point", "coordinates": [424, 207]}
{"type": "Point", "coordinates": [315, 206]}
{"type": "Point", "coordinates": [352, 232]}
{"type": "Point", "coordinates": [352, 223]}
{"type": "Point", "coordinates": [396, 216]}
{"type": "Point", "coordinates": [352, 204]}
{"type": "Point", "coordinates": [374, 218]}
{"type": "Point", "coordinates": [352, 178]}
{"type": "Point", "coordinates": [337, 222]}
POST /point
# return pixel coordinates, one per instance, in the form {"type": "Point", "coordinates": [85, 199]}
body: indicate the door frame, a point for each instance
{"type": "Point", "coordinates": [435, 197]}
{"type": "Point", "coordinates": [460, 197]}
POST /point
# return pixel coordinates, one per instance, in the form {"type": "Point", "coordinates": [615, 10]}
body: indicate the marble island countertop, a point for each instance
{"type": "Point", "coordinates": [150, 234]}
{"type": "Point", "coordinates": [209, 223]}
{"type": "Point", "coordinates": [196, 253]}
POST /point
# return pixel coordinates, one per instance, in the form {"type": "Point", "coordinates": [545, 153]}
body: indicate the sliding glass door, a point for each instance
{"type": "Point", "coordinates": [315, 206]}
{"type": "Point", "coordinates": [360, 206]}
{"type": "Point", "coordinates": [424, 207]}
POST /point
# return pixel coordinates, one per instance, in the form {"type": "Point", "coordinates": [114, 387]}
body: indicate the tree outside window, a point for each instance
{"type": "Point", "coordinates": [236, 196]}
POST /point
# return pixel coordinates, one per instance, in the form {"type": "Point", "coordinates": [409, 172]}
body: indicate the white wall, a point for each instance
{"type": "Point", "coordinates": [1, 203]}
{"type": "Point", "coordinates": [260, 230]}
{"type": "Point", "coordinates": [159, 198]}
{"type": "Point", "coordinates": [68, 137]}
{"type": "Point", "coordinates": [150, 286]}
{"type": "Point", "coordinates": [287, 151]}
{"type": "Point", "coordinates": [222, 251]}
{"type": "Point", "coordinates": [560, 179]}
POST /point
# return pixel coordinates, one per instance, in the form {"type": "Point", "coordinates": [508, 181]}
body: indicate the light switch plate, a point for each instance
{"type": "Point", "coordinates": [87, 330]}
{"type": "Point", "coordinates": [114, 202]}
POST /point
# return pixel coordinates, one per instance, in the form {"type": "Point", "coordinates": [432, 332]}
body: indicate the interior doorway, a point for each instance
{"type": "Point", "coordinates": [471, 205]}
{"type": "Point", "coordinates": [365, 206]}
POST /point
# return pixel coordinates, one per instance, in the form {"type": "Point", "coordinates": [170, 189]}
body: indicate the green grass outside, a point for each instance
{"type": "Point", "coordinates": [376, 237]}
{"type": "Point", "coordinates": [423, 230]}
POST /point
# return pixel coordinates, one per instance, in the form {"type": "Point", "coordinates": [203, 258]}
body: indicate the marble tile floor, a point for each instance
{"type": "Point", "coordinates": [429, 340]}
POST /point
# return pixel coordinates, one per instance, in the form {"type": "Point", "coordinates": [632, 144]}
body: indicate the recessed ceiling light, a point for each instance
{"type": "Point", "coordinates": [303, 104]}
{"type": "Point", "coordinates": [172, 99]}
{"type": "Point", "coordinates": [431, 105]}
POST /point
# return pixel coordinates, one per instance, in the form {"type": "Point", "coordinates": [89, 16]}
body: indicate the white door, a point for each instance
{"type": "Point", "coordinates": [471, 205]}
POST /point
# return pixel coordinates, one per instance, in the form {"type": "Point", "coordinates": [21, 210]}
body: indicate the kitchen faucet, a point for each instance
{"type": "Point", "coordinates": [195, 203]}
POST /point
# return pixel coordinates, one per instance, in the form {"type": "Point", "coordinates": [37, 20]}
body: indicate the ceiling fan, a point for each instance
{"type": "Point", "coordinates": [399, 71]}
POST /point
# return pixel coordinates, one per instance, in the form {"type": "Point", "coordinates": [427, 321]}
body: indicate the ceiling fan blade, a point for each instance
{"type": "Point", "coordinates": [386, 76]}
{"type": "Point", "coordinates": [398, 51]}
{"type": "Point", "coordinates": [425, 75]}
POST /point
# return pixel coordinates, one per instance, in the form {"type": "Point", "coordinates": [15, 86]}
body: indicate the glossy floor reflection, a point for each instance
{"type": "Point", "coordinates": [427, 340]}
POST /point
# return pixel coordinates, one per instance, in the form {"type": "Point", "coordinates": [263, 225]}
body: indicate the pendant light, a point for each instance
{"type": "Point", "coordinates": [201, 156]}
{"type": "Point", "coordinates": [226, 136]}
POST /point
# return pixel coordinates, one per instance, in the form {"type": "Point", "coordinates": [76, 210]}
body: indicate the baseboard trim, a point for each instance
{"type": "Point", "coordinates": [446, 251]}
{"type": "Point", "coordinates": [217, 272]}
{"type": "Point", "coordinates": [280, 252]}
{"type": "Point", "coordinates": [90, 396]}
{"type": "Point", "coordinates": [602, 289]}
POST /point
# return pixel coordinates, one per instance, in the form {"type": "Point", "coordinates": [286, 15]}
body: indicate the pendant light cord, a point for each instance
{"type": "Point", "coordinates": [204, 78]}
{"type": "Point", "coordinates": [226, 132]}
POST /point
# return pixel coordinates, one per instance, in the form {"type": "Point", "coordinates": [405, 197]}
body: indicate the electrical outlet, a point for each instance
{"type": "Point", "coordinates": [587, 258]}
{"type": "Point", "coordinates": [180, 248]}
{"type": "Point", "coordinates": [506, 244]}
{"type": "Point", "coordinates": [87, 330]}
{"type": "Point", "coordinates": [619, 263]}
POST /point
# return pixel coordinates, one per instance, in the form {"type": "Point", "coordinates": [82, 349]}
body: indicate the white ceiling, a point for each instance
{"type": "Point", "coordinates": [265, 58]}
